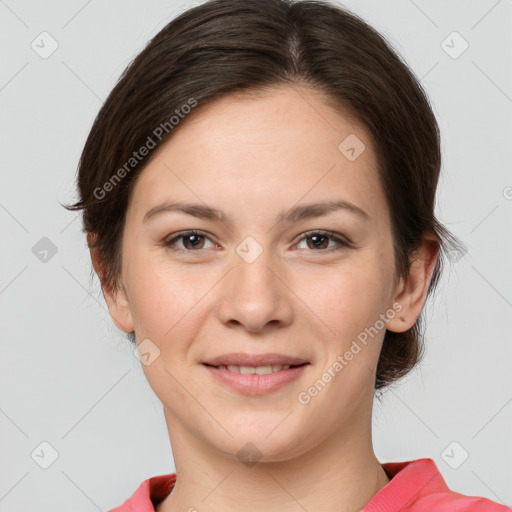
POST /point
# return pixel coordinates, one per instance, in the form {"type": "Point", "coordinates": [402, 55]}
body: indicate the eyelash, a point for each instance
{"type": "Point", "coordinates": [169, 243]}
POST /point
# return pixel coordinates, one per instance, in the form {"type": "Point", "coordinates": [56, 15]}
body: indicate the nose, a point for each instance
{"type": "Point", "coordinates": [254, 296]}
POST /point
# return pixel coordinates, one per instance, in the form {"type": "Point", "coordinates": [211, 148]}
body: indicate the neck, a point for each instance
{"type": "Point", "coordinates": [340, 474]}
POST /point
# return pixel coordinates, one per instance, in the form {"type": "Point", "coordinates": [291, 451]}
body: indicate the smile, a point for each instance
{"type": "Point", "coordinates": [260, 370]}
{"type": "Point", "coordinates": [255, 380]}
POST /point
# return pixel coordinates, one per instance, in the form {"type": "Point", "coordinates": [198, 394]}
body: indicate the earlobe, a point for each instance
{"type": "Point", "coordinates": [119, 309]}
{"type": "Point", "coordinates": [411, 293]}
{"type": "Point", "coordinates": [117, 301]}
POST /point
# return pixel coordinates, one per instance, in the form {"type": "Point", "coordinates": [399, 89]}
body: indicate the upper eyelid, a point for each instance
{"type": "Point", "coordinates": [181, 234]}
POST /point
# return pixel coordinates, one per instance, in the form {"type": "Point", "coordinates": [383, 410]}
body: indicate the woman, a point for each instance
{"type": "Point", "coordinates": [258, 194]}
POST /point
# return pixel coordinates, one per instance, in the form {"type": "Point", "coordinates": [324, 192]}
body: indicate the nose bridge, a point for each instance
{"type": "Point", "coordinates": [252, 277]}
{"type": "Point", "coordinates": [253, 270]}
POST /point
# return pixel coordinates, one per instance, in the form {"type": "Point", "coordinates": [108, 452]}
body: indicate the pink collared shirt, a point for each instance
{"type": "Point", "coordinates": [415, 486]}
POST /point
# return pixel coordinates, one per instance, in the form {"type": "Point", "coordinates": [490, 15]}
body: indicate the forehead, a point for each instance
{"type": "Point", "coordinates": [275, 147]}
{"type": "Point", "coordinates": [271, 116]}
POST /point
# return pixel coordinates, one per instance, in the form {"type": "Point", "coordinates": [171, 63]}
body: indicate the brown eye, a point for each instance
{"type": "Point", "coordinates": [192, 241]}
{"type": "Point", "coordinates": [319, 241]}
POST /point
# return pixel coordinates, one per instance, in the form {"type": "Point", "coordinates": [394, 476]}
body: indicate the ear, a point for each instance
{"type": "Point", "coordinates": [117, 300]}
{"type": "Point", "coordinates": [411, 293]}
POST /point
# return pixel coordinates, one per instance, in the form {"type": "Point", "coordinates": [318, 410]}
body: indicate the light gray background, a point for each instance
{"type": "Point", "coordinates": [68, 376]}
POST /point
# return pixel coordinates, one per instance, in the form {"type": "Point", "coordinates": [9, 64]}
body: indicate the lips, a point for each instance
{"type": "Point", "coordinates": [258, 382]}
{"type": "Point", "coordinates": [241, 359]}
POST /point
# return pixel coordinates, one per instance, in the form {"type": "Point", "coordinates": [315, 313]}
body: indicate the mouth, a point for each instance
{"type": "Point", "coordinates": [253, 380]}
{"type": "Point", "coordinates": [259, 370]}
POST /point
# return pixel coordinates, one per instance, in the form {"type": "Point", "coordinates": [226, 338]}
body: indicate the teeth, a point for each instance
{"type": "Point", "coordinates": [260, 370]}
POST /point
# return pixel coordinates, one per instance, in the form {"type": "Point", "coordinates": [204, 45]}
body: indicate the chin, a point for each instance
{"type": "Point", "coordinates": [259, 443]}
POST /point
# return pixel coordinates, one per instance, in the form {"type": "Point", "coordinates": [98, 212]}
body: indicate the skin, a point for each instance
{"type": "Point", "coordinates": [252, 157]}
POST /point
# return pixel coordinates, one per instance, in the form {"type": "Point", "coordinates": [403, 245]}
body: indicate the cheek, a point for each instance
{"type": "Point", "coordinates": [168, 310]}
{"type": "Point", "coordinates": [347, 299]}
{"type": "Point", "coordinates": [167, 300]}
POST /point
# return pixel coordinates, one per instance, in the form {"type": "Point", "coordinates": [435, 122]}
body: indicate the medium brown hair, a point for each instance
{"type": "Point", "coordinates": [227, 46]}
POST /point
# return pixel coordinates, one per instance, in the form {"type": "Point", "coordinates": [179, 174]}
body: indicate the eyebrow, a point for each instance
{"type": "Point", "coordinates": [295, 214]}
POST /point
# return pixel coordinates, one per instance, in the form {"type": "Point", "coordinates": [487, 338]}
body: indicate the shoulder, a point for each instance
{"type": "Point", "coordinates": [450, 501]}
{"type": "Point", "coordinates": [418, 486]}
{"type": "Point", "coordinates": [149, 493]}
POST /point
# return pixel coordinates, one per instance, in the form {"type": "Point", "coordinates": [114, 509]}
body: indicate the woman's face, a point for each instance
{"type": "Point", "coordinates": [260, 279]}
